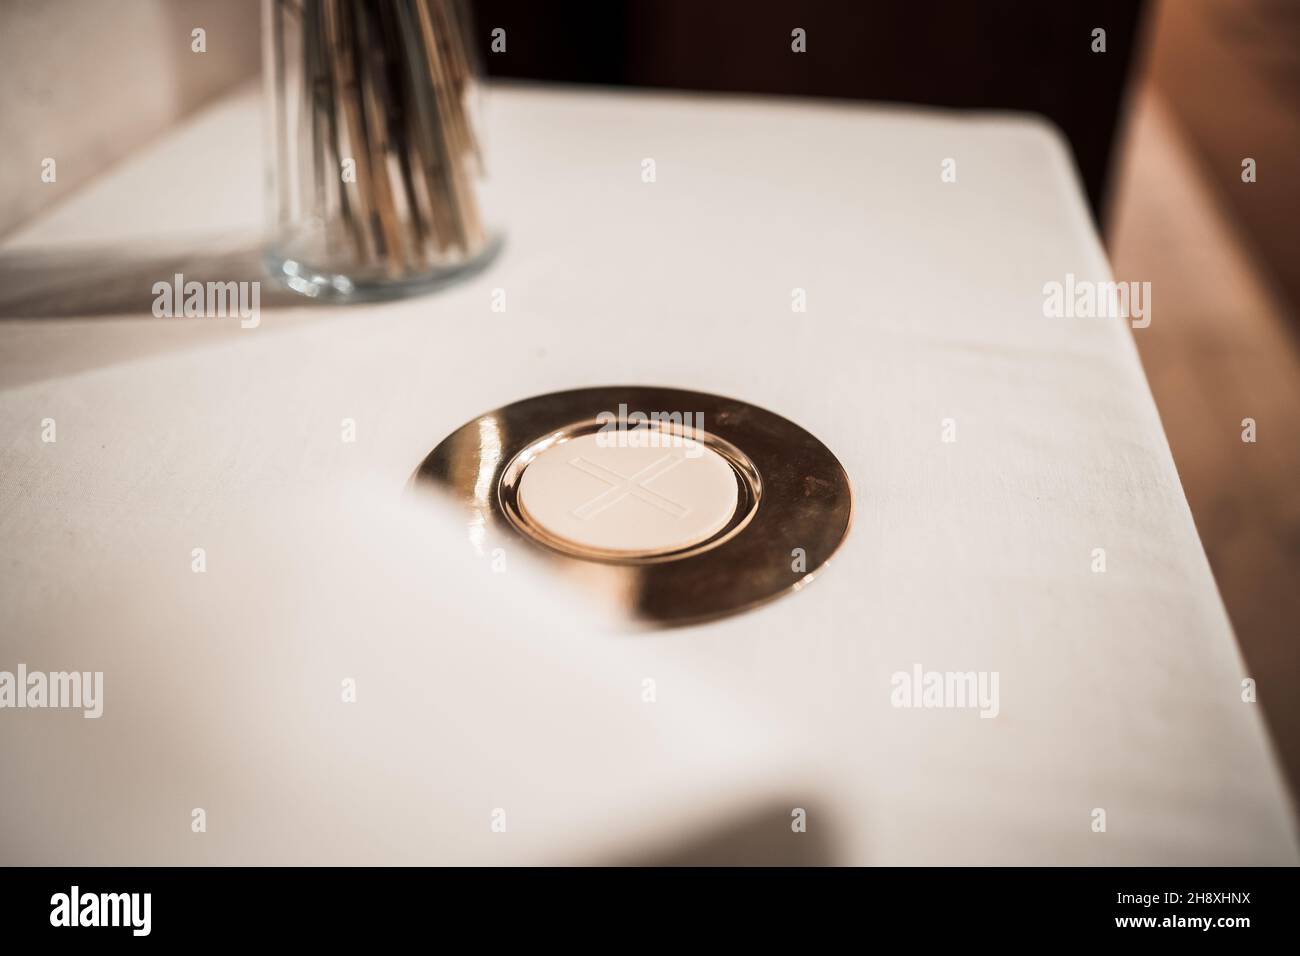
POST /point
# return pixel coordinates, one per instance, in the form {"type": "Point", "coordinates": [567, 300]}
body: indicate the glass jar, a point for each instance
{"type": "Point", "coordinates": [375, 164]}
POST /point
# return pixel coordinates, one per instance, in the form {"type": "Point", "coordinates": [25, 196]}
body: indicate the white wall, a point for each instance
{"type": "Point", "coordinates": [87, 81]}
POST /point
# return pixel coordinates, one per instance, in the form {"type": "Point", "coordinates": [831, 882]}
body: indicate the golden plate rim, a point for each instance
{"type": "Point", "coordinates": [805, 500]}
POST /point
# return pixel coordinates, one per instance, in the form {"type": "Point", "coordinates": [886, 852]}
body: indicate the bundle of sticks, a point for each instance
{"type": "Point", "coordinates": [383, 123]}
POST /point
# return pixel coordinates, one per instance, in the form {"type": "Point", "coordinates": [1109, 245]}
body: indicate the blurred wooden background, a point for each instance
{"type": "Point", "coordinates": [1220, 81]}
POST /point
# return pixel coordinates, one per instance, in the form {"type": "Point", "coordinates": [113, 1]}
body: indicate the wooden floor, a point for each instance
{"type": "Point", "coordinates": [1220, 348]}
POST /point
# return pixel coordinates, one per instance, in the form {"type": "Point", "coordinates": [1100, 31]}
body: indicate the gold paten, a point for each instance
{"type": "Point", "coordinates": [794, 502]}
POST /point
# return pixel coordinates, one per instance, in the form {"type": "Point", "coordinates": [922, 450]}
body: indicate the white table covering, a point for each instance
{"type": "Point", "coordinates": [1119, 691]}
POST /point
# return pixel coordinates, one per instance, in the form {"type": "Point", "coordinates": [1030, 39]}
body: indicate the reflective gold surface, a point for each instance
{"type": "Point", "coordinates": [794, 509]}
